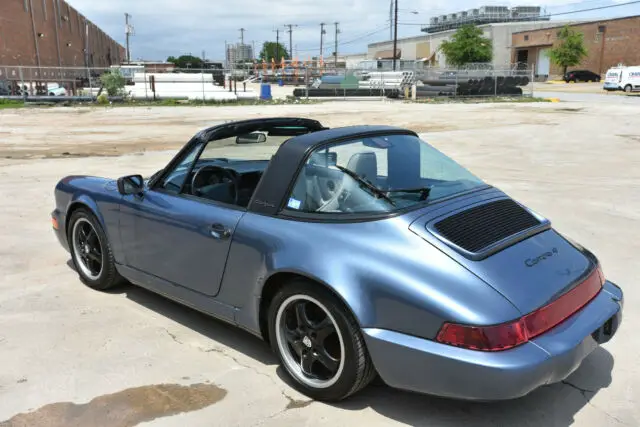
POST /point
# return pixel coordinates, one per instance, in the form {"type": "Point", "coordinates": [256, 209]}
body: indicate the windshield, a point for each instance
{"type": "Point", "coordinates": [376, 175]}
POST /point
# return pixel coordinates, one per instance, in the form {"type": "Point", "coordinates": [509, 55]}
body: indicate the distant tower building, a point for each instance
{"type": "Point", "coordinates": [239, 53]}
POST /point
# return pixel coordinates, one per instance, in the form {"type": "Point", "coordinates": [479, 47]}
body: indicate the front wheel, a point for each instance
{"type": "Point", "coordinates": [91, 252]}
{"type": "Point", "coordinates": [628, 88]}
{"type": "Point", "coordinates": [318, 342]}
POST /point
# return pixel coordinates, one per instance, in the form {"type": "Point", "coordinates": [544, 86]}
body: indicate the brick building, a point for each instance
{"type": "Point", "coordinates": [608, 42]}
{"type": "Point", "coordinates": [50, 33]}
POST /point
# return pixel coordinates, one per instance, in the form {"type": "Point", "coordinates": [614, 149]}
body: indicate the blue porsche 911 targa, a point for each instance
{"type": "Point", "coordinates": [355, 252]}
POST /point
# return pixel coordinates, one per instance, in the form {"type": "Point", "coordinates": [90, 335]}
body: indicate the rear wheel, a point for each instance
{"type": "Point", "coordinates": [318, 342]}
{"type": "Point", "coordinates": [91, 252]}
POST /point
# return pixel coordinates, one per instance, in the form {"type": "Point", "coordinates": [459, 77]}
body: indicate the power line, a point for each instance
{"type": "Point", "coordinates": [595, 8]}
{"type": "Point", "coordinates": [357, 38]}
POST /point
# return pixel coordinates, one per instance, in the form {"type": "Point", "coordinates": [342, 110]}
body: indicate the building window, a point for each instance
{"type": "Point", "coordinates": [601, 28]}
{"type": "Point", "coordinates": [26, 5]}
{"type": "Point", "coordinates": [44, 9]}
{"type": "Point", "coordinates": [526, 38]}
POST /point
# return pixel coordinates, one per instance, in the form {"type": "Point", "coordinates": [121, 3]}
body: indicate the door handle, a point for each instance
{"type": "Point", "coordinates": [219, 231]}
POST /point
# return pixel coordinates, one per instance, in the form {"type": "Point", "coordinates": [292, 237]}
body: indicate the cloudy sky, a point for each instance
{"type": "Point", "coordinates": [175, 27]}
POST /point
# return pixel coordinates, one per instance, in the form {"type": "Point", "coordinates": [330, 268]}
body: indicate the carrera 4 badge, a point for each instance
{"type": "Point", "coordinates": [530, 262]}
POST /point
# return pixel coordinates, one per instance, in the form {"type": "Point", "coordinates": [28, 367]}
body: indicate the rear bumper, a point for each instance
{"type": "Point", "coordinates": [425, 366]}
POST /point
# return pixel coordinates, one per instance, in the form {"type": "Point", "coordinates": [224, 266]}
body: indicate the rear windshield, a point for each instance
{"type": "Point", "coordinates": [376, 175]}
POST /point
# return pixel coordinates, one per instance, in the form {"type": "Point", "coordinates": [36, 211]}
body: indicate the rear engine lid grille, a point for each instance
{"type": "Point", "coordinates": [481, 227]}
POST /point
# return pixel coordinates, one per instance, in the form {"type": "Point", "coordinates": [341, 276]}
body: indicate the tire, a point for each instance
{"type": "Point", "coordinates": [85, 256]}
{"type": "Point", "coordinates": [628, 88]}
{"type": "Point", "coordinates": [345, 346]}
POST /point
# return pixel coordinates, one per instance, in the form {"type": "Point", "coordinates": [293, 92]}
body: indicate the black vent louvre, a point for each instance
{"type": "Point", "coordinates": [480, 227]}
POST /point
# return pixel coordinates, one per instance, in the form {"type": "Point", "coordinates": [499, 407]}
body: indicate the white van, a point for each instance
{"type": "Point", "coordinates": [623, 78]}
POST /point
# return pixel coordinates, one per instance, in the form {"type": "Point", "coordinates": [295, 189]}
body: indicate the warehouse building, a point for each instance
{"type": "Point", "coordinates": [609, 43]}
{"type": "Point", "coordinates": [427, 47]}
{"type": "Point", "coordinates": [50, 33]}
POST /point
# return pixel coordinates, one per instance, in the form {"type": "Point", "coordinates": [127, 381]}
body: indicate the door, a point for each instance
{"type": "Point", "coordinates": [173, 235]}
{"type": "Point", "coordinates": [544, 64]}
{"type": "Point", "coordinates": [178, 238]}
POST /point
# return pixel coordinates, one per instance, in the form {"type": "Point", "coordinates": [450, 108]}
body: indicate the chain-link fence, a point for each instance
{"type": "Point", "coordinates": [264, 81]}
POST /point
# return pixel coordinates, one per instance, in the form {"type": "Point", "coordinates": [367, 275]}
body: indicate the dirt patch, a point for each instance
{"type": "Point", "coordinates": [631, 137]}
{"type": "Point", "coordinates": [125, 408]}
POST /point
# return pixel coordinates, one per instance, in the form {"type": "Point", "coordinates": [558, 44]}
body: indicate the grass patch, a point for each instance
{"type": "Point", "coordinates": [10, 103]}
{"type": "Point", "coordinates": [478, 100]}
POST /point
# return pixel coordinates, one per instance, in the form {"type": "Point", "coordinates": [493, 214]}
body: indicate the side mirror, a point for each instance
{"type": "Point", "coordinates": [251, 138]}
{"type": "Point", "coordinates": [132, 184]}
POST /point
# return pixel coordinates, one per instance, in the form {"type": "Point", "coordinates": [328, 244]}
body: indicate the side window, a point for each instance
{"type": "Point", "coordinates": [174, 181]}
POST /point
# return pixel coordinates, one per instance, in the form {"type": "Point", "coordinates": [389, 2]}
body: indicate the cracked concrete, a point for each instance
{"type": "Point", "coordinates": [72, 344]}
{"type": "Point", "coordinates": [293, 403]}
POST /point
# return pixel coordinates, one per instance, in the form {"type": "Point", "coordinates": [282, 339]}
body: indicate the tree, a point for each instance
{"type": "Point", "coordinates": [273, 50]}
{"type": "Point", "coordinates": [467, 45]}
{"type": "Point", "coordinates": [113, 82]}
{"type": "Point", "coordinates": [186, 61]}
{"type": "Point", "coordinates": [570, 51]}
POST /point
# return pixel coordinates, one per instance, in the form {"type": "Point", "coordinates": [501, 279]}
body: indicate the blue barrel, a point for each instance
{"type": "Point", "coordinates": [280, 82]}
{"type": "Point", "coordinates": [265, 91]}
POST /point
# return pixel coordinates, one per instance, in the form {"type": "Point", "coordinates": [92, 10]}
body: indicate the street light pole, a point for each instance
{"type": "Point", "coordinates": [395, 34]}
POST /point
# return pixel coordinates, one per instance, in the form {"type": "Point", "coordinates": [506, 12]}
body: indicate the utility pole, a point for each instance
{"type": "Point", "coordinates": [277, 43]}
{"type": "Point", "coordinates": [290, 39]}
{"type": "Point", "coordinates": [128, 31]}
{"type": "Point", "coordinates": [335, 59]}
{"type": "Point", "coordinates": [395, 34]}
{"type": "Point", "coordinates": [391, 19]}
{"type": "Point", "coordinates": [322, 33]}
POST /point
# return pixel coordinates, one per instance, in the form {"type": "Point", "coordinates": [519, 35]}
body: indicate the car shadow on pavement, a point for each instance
{"type": "Point", "coordinates": [554, 405]}
{"type": "Point", "coordinates": [214, 329]}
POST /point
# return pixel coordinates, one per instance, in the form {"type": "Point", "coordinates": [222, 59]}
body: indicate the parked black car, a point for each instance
{"type": "Point", "coordinates": [581, 76]}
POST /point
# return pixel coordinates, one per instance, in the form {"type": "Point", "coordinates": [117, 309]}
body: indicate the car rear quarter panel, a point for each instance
{"type": "Point", "coordinates": [386, 275]}
{"type": "Point", "coordinates": [100, 196]}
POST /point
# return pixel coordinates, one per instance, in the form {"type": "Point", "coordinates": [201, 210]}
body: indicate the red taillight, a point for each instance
{"type": "Point", "coordinates": [487, 338]}
{"type": "Point", "coordinates": [508, 335]}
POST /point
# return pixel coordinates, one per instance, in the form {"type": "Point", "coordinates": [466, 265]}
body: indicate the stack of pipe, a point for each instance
{"type": "Point", "coordinates": [337, 92]}
{"type": "Point", "coordinates": [472, 86]}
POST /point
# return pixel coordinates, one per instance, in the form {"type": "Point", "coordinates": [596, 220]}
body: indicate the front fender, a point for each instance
{"type": "Point", "coordinates": [99, 196]}
{"type": "Point", "coordinates": [386, 275]}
